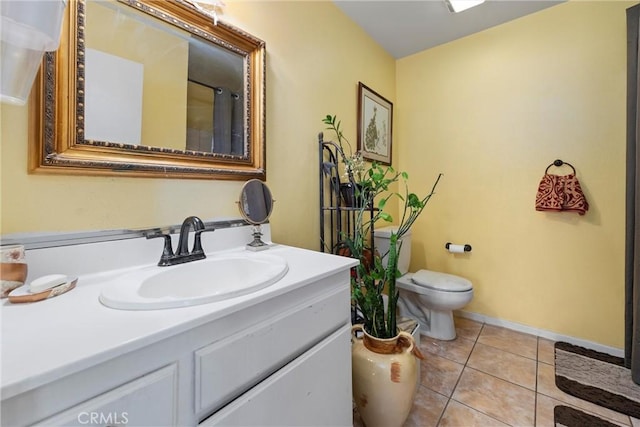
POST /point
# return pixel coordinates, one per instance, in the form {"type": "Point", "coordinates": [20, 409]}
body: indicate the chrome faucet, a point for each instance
{"type": "Point", "coordinates": [183, 253]}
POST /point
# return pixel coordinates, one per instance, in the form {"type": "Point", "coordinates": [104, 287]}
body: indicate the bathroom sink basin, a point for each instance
{"type": "Point", "coordinates": [216, 278]}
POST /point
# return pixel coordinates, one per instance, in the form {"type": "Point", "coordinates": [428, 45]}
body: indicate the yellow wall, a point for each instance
{"type": "Point", "coordinates": [492, 111]}
{"type": "Point", "coordinates": [315, 58]}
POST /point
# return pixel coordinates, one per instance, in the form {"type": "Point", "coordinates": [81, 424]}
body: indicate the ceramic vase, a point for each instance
{"type": "Point", "coordinates": [384, 377]}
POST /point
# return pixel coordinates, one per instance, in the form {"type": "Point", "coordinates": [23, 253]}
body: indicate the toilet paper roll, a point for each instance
{"type": "Point", "coordinates": [456, 249]}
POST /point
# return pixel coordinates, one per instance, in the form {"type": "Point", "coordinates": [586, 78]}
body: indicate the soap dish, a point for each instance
{"type": "Point", "coordinates": [23, 293]}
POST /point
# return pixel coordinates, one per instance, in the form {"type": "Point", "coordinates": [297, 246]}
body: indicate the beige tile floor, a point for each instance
{"type": "Point", "coordinates": [492, 376]}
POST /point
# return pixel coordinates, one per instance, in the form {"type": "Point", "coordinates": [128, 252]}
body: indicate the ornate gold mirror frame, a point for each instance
{"type": "Point", "coordinates": [57, 143]}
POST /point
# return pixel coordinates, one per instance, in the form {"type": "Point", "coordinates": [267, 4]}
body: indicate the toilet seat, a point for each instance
{"type": "Point", "coordinates": [441, 281]}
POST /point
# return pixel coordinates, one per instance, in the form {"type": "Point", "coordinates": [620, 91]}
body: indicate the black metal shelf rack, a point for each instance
{"type": "Point", "coordinates": [337, 218]}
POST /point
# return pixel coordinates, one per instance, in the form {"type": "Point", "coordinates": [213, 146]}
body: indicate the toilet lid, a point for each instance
{"type": "Point", "coordinates": [441, 281]}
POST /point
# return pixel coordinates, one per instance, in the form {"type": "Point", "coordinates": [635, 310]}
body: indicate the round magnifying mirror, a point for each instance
{"type": "Point", "coordinates": [256, 205]}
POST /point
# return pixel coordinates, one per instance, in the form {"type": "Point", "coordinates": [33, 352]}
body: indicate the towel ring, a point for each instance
{"type": "Point", "coordinates": [559, 163]}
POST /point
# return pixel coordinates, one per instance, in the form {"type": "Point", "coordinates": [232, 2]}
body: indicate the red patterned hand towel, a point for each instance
{"type": "Point", "coordinates": [574, 200]}
{"type": "Point", "coordinates": [561, 193]}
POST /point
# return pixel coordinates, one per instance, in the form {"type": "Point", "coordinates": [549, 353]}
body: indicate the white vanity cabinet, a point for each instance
{"type": "Point", "coordinates": [147, 401]}
{"type": "Point", "coordinates": [303, 393]}
{"type": "Point", "coordinates": [282, 359]}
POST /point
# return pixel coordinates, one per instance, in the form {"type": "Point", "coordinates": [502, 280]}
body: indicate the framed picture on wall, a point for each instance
{"type": "Point", "coordinates": [375, 120]}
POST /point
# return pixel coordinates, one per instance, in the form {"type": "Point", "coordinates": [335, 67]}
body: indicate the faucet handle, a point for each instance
{"type": "Point", "coordinates": [167, 251]}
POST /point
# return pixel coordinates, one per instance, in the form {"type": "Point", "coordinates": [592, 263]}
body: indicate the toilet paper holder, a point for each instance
{"type": "Point", "coordinates": [467, 247]}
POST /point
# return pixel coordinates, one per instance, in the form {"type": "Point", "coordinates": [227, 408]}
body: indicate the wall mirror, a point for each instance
{"type": "Point", "coordinates": [150, 88]}
{"type": "Point", "coordinates": [256, 205]}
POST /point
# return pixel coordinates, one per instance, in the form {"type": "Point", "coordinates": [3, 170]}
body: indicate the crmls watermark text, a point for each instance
{"type": "Point", "coordinates": [102, 418]}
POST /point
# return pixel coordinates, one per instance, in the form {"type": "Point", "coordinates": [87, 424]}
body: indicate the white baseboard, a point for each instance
{"type": "Point", "coordinates": [553, 336]}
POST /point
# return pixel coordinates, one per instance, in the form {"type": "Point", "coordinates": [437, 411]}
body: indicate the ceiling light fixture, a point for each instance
{"type": "Point", "coordinates": [460, 5]}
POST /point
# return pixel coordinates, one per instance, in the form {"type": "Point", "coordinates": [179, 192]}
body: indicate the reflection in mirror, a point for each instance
{"type": "Point", "coordinates": [159, 90]}
{"type": "Point", "coordinates": [193, 73]}
{"type": "Point", "coordinates": [215, 101]}
{"type": "Point", "coordinates": [256, 205]}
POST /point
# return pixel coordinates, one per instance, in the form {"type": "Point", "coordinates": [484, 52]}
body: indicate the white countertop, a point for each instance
{"type": "Point", "coordinates": [47, 340]}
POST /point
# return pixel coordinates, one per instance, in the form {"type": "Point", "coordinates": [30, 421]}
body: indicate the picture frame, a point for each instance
{"type": "Point", "coordinates": [375, 125]}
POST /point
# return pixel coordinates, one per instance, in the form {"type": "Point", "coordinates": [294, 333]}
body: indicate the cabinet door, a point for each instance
{"type": "Point", "coordinates": [312, 390]}
{"type": "Point", "coordinates": [227, 368]}
{"type": "Point", "coordinates": [146, 401]}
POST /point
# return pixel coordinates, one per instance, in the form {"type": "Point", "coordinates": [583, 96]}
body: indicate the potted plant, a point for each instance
{"type": "Point", "coordinates": [383, 398]}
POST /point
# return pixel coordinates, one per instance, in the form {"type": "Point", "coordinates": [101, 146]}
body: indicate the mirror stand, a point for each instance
{"type": "Point", "coordinates": [256, 205]}
{"type": "Point", "coordinates": [257, 244]}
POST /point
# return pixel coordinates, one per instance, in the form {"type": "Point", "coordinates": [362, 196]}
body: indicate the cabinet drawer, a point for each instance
{"type": "Point", "coordinates": [229, 367]}
{"type": "Point", "coordinates": [147, 401]}
{"type": "Point", "coordinates": [319, 382]}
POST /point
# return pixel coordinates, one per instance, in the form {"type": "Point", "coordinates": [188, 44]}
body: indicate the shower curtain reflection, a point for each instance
{"type": "Point", "coordinates": [222, 118]}
{"type": "Point", "coordinates": [215, 120]}
{"type": "Point", "coordinates": [228, 134]}
{"type": "Point", "coordinates": [237, 131]}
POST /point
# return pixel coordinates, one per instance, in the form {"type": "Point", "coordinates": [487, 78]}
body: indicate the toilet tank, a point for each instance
{"type": "Point", "coordinates": [381, 240]}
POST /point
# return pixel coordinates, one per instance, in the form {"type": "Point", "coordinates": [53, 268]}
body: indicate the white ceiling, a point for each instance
{"type": "Point", "coordinates": [405, 27]}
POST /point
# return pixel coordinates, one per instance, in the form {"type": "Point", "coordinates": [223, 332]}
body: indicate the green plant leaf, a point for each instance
{"type": "Point", "coordinates": [413, 201]}
{"type": "Point", "coordinates": [385, 217]}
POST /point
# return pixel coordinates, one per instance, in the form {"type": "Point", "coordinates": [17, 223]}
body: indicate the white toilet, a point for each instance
{"type": "Point", "coordinates": [427, 296]}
